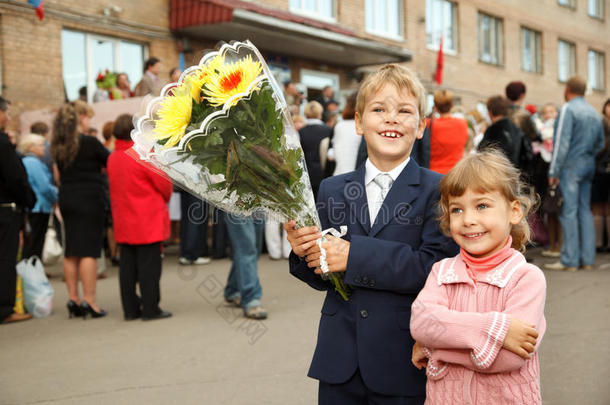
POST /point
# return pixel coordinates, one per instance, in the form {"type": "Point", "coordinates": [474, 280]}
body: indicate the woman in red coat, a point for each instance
{"type": "Point", "coordinates": [139, 198]}
{"type": "Point", "coordinates": [448, 135]}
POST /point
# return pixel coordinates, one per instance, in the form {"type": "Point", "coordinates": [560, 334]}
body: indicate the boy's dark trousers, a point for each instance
{"type": "Point", "coordinates": [355, 392]}
{"type": "Point", "coordinates": [140, 264]}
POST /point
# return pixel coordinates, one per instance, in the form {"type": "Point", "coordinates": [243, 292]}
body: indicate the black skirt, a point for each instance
{"type": "Point", "coordinates": [82, 208]}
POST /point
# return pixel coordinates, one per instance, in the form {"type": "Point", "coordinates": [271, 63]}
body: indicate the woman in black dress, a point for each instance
{"type": "Point", "coordinates": [79, 159]}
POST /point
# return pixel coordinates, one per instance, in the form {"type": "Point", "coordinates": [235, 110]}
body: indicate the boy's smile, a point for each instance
{"type": "Point", "coordinates": [481, 222]}
{"type": "Point", "coordinates": [390, 124]}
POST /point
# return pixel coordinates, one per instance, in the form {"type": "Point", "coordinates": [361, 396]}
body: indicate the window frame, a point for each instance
{"type": "Point", "coordinates": [571, 4]}
{"type": "Point", "coordinates": [317, 15]}
{"type": "Point", "coordinates": [91, 75]}
{"type": "Point", "coordinates": [499, 44]}
{"type": "Point", "coordinates": [435, 46]}
{"type": "Point", "coordinates": [572, 46]}
{"type": "Point", "coordinates": [600, 61]}
{"type": "Point", "coordinates": [599, 8]}
{"type": "Point", "coordinates": [537, 39]}
{"type": "Point", "coordinates": [400, 22]}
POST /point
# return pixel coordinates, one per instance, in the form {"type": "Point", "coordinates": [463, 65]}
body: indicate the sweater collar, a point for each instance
{"type": "Point", "coordinates": [489, 262]}
{"type": "Point", "coordinates": [499, 267]}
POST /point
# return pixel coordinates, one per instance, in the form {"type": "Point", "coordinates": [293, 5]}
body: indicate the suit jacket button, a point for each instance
{"type": "Point", "coordinates": [365, 280]}
{"type": "Point", "coordinates": [372, 283]}
{"type": "Point", "coordinates": [358, 279]}
{"type": "Point", "coordinates": [364, 313]}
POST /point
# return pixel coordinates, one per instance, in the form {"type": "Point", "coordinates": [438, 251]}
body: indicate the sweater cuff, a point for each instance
{"type": "Point", "coordinates": [484, 354]}
{"type": "Point", "coordinates": [436, 369]}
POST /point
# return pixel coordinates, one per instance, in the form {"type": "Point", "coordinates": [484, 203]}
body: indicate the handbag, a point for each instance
{"type": "Point", "coordinates": [553, 200]}
{"type": "Point", "coordinates": [52, 250]}
{"type": "Point", "coordinates": [37, 291]}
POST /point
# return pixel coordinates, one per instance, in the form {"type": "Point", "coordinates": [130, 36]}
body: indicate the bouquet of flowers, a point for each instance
{"type": "Point", "coordinates": [224, 133]}
{"type": "Point", "coordinates": [106, 80]}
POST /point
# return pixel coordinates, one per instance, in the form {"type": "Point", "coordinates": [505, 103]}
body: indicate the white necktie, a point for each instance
{"type": "Point", "coordinates": [384, 182]}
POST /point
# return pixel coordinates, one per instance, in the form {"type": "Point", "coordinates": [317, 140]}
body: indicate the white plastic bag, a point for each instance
{"type": "Point", "coordinates": [37, 291]}
{"type": "Point", "coordinates": [52, 250]}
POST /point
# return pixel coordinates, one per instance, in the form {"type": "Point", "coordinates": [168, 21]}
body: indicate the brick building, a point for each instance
{"type": "Point", "coordinates": [318, 43]}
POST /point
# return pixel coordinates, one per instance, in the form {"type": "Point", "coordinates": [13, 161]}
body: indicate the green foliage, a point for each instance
{"type": "Point", "coordinates": [248, 146]}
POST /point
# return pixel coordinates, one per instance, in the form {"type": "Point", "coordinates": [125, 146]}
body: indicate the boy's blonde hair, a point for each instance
{"type": "Point", "coordinates": [28, 142]}
{"type": "Point", "coordinates": [401, 77]}
{"type": "Point", "coordinates": [485, 172]}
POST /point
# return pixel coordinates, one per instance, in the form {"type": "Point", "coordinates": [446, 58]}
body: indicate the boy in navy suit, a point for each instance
{"type": "Point", "coordinates": [389, 205]}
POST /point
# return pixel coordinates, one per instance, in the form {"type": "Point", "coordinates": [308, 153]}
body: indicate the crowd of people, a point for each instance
{"type": "Point", "coordinates": [433, 255]}
{"type": "Point", "coordinates": [525, 133]}
{"type": "Point", "coordinates": [95, 186]}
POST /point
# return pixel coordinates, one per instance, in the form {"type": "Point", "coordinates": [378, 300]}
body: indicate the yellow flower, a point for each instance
{"type": "Point", "coordinates": [174, 116]}
{"type": "Point", "coordinates": [196, 80]}
{"type": "Point", "coordinates": [228, 79]}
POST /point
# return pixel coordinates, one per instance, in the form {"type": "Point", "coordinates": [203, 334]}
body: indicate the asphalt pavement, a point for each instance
{"type": "Point", "coordinates": [207, 353]}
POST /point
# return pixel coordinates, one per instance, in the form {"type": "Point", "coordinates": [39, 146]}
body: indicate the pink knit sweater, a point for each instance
{"type": "Point", "coordinates": [462, 323]}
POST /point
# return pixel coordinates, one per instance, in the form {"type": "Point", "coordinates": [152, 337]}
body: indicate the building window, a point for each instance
{"type": "Point", "coordinates": [383, 17]}
{"type": "Point", "coordinates": [566, 60]}
{"type": "Point", "coordinates": [321, 9]}
{"type": "Point", "coordinates": [85, 55]}
{"type": "Point", "coordinates": [567, 3]}
{"type": "Point", "coordinates": [596, 8]}
{"type": "Point", "coordinates": [441, 21]}
{"type": "Point", "coordinates": [531, 52]}
{"type": "Point", "coordinates": [596, 70]}
{"type": "Point", "coordinates": [490, 39]}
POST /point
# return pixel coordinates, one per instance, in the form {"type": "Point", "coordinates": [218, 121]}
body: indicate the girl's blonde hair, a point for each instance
{"type": "Point", "coordinates": [486, 172]}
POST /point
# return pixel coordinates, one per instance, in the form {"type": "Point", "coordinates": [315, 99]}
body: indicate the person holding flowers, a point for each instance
{"type": "Point", "coordinates": [223, 133]}
{"type": "Point", "coordinates": [393, 238]}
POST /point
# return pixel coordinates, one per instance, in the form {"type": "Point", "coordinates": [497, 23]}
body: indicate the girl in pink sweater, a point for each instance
{"type": "Point", "coordinates": [480, 317]}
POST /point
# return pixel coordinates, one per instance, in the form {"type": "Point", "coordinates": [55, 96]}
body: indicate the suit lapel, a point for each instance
{"type": "Point", "coordinates": [398, 201]}
{"type": "Point", "coordinates": [354, 193]}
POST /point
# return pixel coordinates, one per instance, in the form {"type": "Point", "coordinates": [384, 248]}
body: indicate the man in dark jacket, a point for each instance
{"type": "Point", "coordinates": [502, 134]}
{"type": "Point", "coordinates": [515, 92]}
{"type": "Point", "coordinates": [15, 195]}
{"type": "Point", "coordinates": [311, 136]}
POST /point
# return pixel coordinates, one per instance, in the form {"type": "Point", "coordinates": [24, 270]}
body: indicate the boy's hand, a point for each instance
{"type": "Point", "coordinates": [337, 252]}
{"type": "Point", "coordinates": [302, 240]}
{"type": "Point", "coordinates": [521, 338]}
{"type": "Point", "coordinates": [419, 358]}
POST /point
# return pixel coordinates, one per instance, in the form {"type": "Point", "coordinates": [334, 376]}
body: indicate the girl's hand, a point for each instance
{"type": "Point", "coordinates": [521, 338]}
{"type": "Point", "coordinates": [302, 240]}
{"type": "Point", "coordinates": [419, 358]}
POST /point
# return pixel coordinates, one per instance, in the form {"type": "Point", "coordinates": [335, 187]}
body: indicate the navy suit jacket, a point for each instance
{"type": "Point", "coordinates": [387, 266]}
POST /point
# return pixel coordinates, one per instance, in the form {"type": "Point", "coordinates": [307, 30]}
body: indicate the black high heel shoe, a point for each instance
{"type": "Point", "coordinates": [74, 309]}
{"type": "Point", "coordinates": [86, 309]}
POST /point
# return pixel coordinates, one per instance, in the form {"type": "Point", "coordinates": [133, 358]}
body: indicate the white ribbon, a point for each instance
{"type": "Point", "coordinates": [333, 232]}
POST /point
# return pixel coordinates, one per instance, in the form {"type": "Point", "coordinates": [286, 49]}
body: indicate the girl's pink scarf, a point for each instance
{"type": "Point", "coordinates": [483, 264]}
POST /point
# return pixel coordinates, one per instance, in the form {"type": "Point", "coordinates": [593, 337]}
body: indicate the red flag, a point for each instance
{"type": "Point", "coordinates": [39, 6]}
{"type": "Point", "coordinates": [438, 77]}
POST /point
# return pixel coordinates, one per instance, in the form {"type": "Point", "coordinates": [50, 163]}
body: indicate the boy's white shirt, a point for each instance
{"type": "Point", "coordinates": [373, 191]}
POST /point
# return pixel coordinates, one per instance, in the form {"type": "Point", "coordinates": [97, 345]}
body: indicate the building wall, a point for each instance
{"type": "Point", "coordinates": [474, 81]}
{"type": "Point", "coordinates": [31, 49]}
{"type": "Point", "coordinates": [32, 62]}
